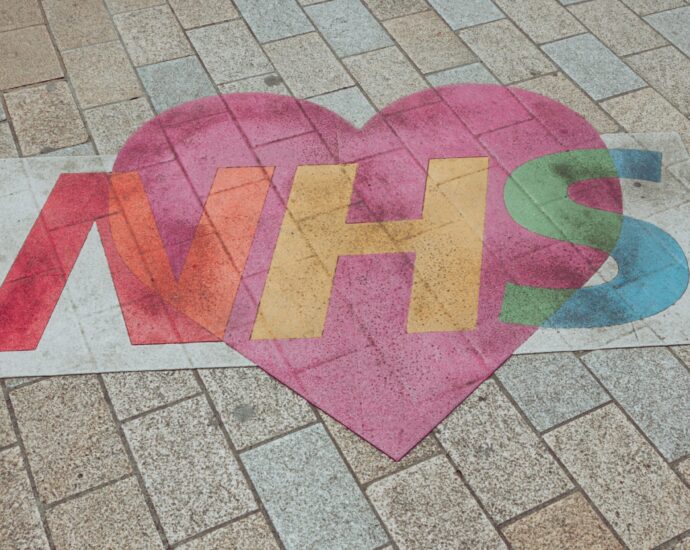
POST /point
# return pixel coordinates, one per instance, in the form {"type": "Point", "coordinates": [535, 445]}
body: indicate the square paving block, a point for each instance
{"type": "Point", "coordinates": [192, 476]}
{"type": "Point", "coordinates": [593, 66]}
{"type": "Point", "coordinates": [97, 519]}
{"type": "Point", "coordinates": [310, 495]}
{"type": "Point", "coordinates": [56, 418]}
{"type": "Point", "coordinates": [111, 125]}
{"type": "Point", "coordinates": [498, 453]}
{"type": "Point", "coordinates": [45, 118]}
{"type": "Point", "coordinates": [20, 521]}
{"type": "Point", "coordinates": [152, 35]}
{"type": "Point", "coordinates": [348, 27]}
{"type": "Point", "coordinates": [551, 388]}
{"type": "Point", "coordinates": [247, 533]}
{"type": "Point", "coordinates": [542, 20]}
{"type": "Point", "coordinates": [653, 387]}
{"type": "Point", "coordinates": [460, 14]}
{"type": "Point", "coordinates": [229, 51]}
{"type": "Point", "coordinates": [625, 478]}
{"type": "Point", "coordinates": [174, 82]}
{"type": "Point", "coordinates": [197, 13]}
{"type": "Point", "coordinates": [101, 74]}
{"type": "Point", "coordinates": [674, 25]}
{"type": "Point", "coordinates": [349, 103]}
{"type": "Point", "coordinates": [307, 65]}
{"type": "Point", "coordinates": [28, 56]}
{"type": "Point", "coordinates": [429, 42]}
{"type": "Point", "coordinates": [76, 24]}
{"type": "Point", "coordinates": [17, 14]}
{"type": "Point", "coordinates": [387, 9]}
{"type": "Point", "coordinates": [274, 19]}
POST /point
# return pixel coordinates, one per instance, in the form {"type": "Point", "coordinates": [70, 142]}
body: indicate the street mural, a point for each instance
{"type": "Point", "coordinates": [382, 273]}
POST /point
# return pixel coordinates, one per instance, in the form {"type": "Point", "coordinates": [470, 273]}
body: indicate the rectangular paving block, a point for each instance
{"type": "Point", "coordinates": [56, 418]}
{"type": "Point", "coordinates": [348, 27]}
{"type": "Point", "coordinates": [474, 73]}
{"type": "Point", "coordinates": [307, 65]}
{"type": "Point", "coordinates": [77, 24]}
{"type": "Point", "coordinates": [111, 125]}
{"type": "Point", "coordinates": [593, 66]}
{"type": "Point", "coordinates": [617, 26]}
{"type": "Point", "coordinates": [274, 19]}
{"type": "Point", "coordinates": [192, 476]}
{"type": "Point", "coordinates": [507, 52]}
{"type": "Point", "coordinates": [428, 506]}
{"type": "Point", "coordinates": [626, 479]}
{"type": "Point", "coordinates": [174, 82]}
{"type": "Point", "coordinates": [20, 521]}
{"type": "Point", "coordinates": [97, 519]}
{"type": "Point", "coordinates": [673, 25]}
{"type": "Point", "coordinates": [429, 42]}
{"type": "Point", "coordinates": [387, 9]}
{"type": "Point", "coordinates": [460, 14]}
{"type": "Point", "coordinates": [498, 453]}
{"type": "Point", "coordinates": [229, 51]}
{"type": "Point", "coordinates": [349, 103]}
{"type": "Point", "coordinates": [542, 20]}
{"type": "Point", "coordinates": [310, 495]}
{"type": "Point", "coordinates": [17, 14]}
{"type": "Point", "coordinates": [28, 57]}
{"type": "Point", "coordinates": [197, 13]}
{"type": "Point", "coordinates": [653, 387]}
{"type": "Point", "coordinates": [255, 407]}
{"type": "Point", "coordinates": [551, 388]}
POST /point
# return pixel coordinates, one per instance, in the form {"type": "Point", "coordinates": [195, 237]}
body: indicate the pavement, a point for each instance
{"type": "Point", "coordinates": [580, 440]}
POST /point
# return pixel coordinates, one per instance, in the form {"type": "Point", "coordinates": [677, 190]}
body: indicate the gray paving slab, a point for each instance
{"type": "Point", "coordinates": [653, 387]}
{"type": "Point", "coordinates": [348, 26]}
{"type": "Point", "coordinates": [673, 25]}
{"type": "Point", "coordinates": [274, 19]}
{"type": "Point", "coordinates": [310, 495]}
{"type": "Point", "coordinates": [593, 66]}
{"type": "Point", "coordinates": [460, 14]}
{"type": "Point", "coordinates": [551, 388]}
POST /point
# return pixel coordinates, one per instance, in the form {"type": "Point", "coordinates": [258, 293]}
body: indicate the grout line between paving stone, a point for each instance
{"type": "Point", "coordinates": [540, 506]}
{"type": "Point", "coordinates": [278, 436]}
{"type": "Point", "coordinates": [575, 417]}
{"type": "Point", "coordinates": [90, 490]}
{"type": "Point", "coordinates": [161, 407]}
{"type": "Point", "coordinates": [218, 527]}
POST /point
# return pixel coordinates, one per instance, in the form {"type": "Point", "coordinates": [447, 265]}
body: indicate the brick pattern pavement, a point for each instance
{"type": "Point", "coordinates": [556, 451]}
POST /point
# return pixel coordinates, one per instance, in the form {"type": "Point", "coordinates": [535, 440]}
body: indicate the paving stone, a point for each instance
{"type": "Point", "coordinates": [111, 125]}
{"type": "Point", "coordinates": [271, 83]}
{"type": "Point", "coordinates": [385, 75]}
{"type": "Point", "coordinates": [152, 35]}
{"type": "Point", "coordinates": [550, 388]}
{"type": "Point", "coordinates": [653, 387]}
{"type": "Point", "coordinates": [629, 483]}
{"type": "Point", "coordinates": [560, 88]}
{"type": "Point", "coordinates": [617, 27]}
{"type": "Point", "coordinates": [506, 51]}
{"type": "Point", "coordinates": [593, 66]}
{"type": "Point", "coordinates": [348, 27]}
{"type": "Point", "coordinates": [190, 473]}
{"type": "Point", "coordinates": [387, 9]}
{"type": "Point", "coordinates": [113, 515]}
{"type": "Point", "coordinates": [174, 82]}
{"type": "Point", "coordinates": [542, 20]}
{"type": "Point", "coordinates": [498, 453]}
{"type": "Point", "coordinates": [8, 148]}
{"type": "Point", "coordinates": [309, 494]}
{"type": "Point", "coordinates": [367, 462]}
{"type": "Point", "coordinates": [16, 14]}
{"type": "Point", "coordinates": [647, 111]}
{"type": "Point", "coordinates": [673, 25]}
{"type": "Point", "coordinates": [136, 392]}
{"type": "Point", "coordinates": [349, 103]}
{"type": "Point", "coordinates": [196, 13]}
{"type": "Point", "coordinates": [6, 430]}
{"type": "Point", "coordinates": [250, 533]}
{"type": "Point", "coordinates": [568, 523]}
{"type": "Point", "coordinates": [28, 56]}
{"type": "Point", "coordinates": [668, 71]}
{"type": "Point", "coordinates": [475, 73]}
{"type": "Point", "coordinates": [101, 74]}
{"type": "Point", "coordinates": [429, 42]}
{"type": "Point", "coordinates": [71, 440]}
{"type": "Point", "coordinates": [121, 6]}
{"type": "Point", "coordinates": [428, 506]}
{"type": "Point", "coordinates": [307, 65]}
{"type": "Point", "coordinates": [20, 522]}
{"type": "Point", "coordinates": [255, 407]}
{"type": "Point", "coordinates": [45, 117]}
{"type": "Point", "coordinates": [645, 7]}
{"type": "Point", "coordinates": [274, 19]}
{"type": "Point", "coordinates": [460, 14]}
{"type": "Point", "coordinates": [77, 23]}
{"type": "Point", "coordinates": [229, 51]}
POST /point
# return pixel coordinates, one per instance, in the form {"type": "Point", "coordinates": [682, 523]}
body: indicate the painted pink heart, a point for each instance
{"type": "Point", "coordinates": [389, 386]}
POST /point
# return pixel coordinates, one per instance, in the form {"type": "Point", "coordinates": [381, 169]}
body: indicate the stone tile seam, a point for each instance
{"type": "Point", "coordinates": [159, 408]}
{"type": "Point", "coordinates": [218, 527]}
